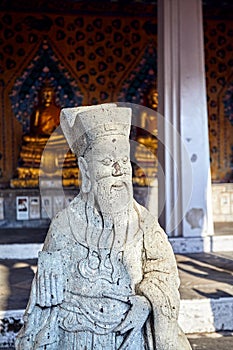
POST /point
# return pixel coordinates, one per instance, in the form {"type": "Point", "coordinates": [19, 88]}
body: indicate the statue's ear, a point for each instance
{"type": "Point", "coordinates": [86, 182]}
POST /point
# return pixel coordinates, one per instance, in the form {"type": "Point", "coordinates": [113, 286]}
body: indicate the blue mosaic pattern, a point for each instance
{"type": "Point", "coordinates": [143, 76]}
{"type": "Point", "coordinates": [228, 105]}
{"type": "Point", "coordinates": [44, 67]}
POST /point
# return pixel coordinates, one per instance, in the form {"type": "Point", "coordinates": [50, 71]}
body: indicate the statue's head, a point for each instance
{"type": "Point", "coordinates": [152, 98]}
{"type": "Point", "coordinates": [99, 136]}
{"type": "Point", "coordinates": [47, 95]}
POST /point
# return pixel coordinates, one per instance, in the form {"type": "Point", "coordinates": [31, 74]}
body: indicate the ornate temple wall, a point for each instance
{"type": "Point", "coordinates": [88, 58]}
{"type": "Point", "coordinates": [219, 77]}
{"type": "Point", "coordinates": [96, 58]}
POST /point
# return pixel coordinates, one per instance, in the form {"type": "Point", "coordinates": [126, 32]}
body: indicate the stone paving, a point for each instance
{"type": "Point", "coordinates": [206, 275]}
{"type": "Point", "coordinates": [219, 341]}
{"type": "Point", "coordinates": [15, 283]}
{"type": "Point", "coordinates": [200, 342]}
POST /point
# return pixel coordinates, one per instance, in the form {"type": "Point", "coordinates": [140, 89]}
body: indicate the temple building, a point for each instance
{"type": "Point", "coordinates": [72, 56]}
{"type": "Point", "coordinates": [172, 62]}
{"type": "Point", "coordinates": [77, 55]}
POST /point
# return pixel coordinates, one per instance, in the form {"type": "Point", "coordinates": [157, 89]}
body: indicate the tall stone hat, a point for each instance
{"type": "Point", "coordinates": [83, 125]}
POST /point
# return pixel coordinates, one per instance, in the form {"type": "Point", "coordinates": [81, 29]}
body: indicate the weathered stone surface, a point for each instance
{"type": "Point", "coordinates": [107, 277]}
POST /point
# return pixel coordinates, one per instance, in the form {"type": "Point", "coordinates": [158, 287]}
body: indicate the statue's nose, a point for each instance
{"type": "Point", "coordinates": [116, 171]}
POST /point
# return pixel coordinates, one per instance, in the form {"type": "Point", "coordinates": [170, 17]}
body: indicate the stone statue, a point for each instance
{"type": "Point", "coordinates": [107, 276]}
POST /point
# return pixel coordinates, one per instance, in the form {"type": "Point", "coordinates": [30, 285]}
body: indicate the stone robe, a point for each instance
{"type": "Point", "coordinates": [79, 297]}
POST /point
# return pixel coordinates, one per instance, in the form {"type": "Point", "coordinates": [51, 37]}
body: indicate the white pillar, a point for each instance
{"type": "Point", "coordinates": [187, 207]}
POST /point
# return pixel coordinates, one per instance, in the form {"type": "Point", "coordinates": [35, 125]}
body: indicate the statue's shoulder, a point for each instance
{"type": "Point", "coordinates": [74, 209]}
{"type": "Point", "coordinates": [155, 239]}
{"type": "Point", "coordinates": [147, 220]}
{"type": "Point", "coordinates": [60, 233]}
{"type": "Point", "coordinates": [60, 219]}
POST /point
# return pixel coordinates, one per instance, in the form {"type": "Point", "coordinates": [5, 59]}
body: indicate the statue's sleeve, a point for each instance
{"type": "Point", "coordinates": [160, 275]}
{"type": "Point", "coordinates": [40, 318]}
{"type": "Point", "coordinates": [160, 285]}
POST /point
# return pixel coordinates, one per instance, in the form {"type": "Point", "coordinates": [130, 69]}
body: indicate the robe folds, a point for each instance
{"type": "Point", "coordinates": [80, 294]}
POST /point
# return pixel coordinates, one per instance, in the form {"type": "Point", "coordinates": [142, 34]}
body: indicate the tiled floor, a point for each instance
{"type": "Point", "coordinates": [206, 275]}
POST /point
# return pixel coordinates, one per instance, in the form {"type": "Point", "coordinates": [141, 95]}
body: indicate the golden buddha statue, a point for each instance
{"type": "Point", "coordinates": [45, 118]}
{"type": "Point", "coordinates": [146, 150]}
{"type": "Point", "coordinates": [43, 123]}
{"type": "Point", "coordinates": [153, 98]}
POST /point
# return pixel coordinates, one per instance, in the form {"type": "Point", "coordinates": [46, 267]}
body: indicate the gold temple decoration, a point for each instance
{"type": "Point", "coordinates": [146, 150]}
{"type": "Point", "coordinates": [43, 123]}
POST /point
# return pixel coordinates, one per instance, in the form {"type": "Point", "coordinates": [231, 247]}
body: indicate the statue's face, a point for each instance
{"type": "Point", "coordinates": [153, 98]}
{"type": "Point", "coordinates": [110, 172]}
{"type": "Point", "coordinates": [47, 95]}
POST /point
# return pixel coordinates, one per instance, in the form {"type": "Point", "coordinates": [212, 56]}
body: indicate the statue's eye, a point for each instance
{"type": "Point", "coordinates": [125, 160]}
{"type": "Point", "coordinates": [106, 161]}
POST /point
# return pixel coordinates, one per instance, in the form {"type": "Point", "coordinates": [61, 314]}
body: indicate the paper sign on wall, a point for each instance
{"type": "Point", "coordinates": [34, 212]}
{"type": "Point", "coordinates": [22, 208]}
{"type": "Point", "coordinates": [1, 208]}
{"type": "Point", "coordinates": [46, 207]}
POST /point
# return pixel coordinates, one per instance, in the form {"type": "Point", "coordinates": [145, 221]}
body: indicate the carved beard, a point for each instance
{"type": "Point", "coordinates": [115, 199]}
{"type": "Point", "coordinates": [114, 195]}
{"type": "Point", "coordinates": [106, 241]}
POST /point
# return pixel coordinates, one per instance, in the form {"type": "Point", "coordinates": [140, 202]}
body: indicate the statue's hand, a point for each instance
{"type": "Point", "coordinates": [136, 316]}
{"type": "Point", "coordinates": [49, 279]}
{"type": "Point", "coordinates": [49, 289]}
